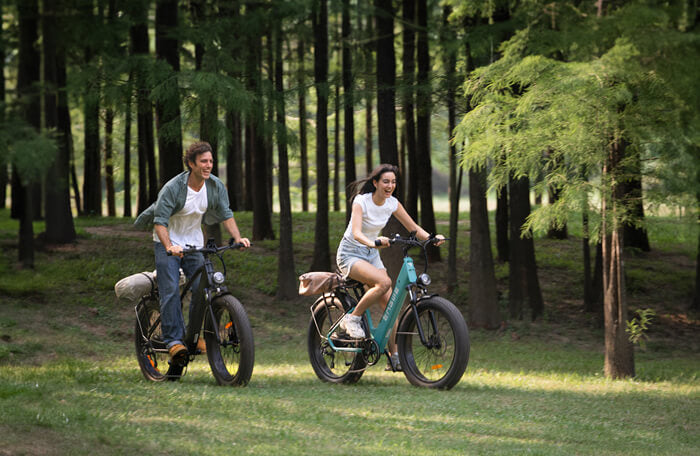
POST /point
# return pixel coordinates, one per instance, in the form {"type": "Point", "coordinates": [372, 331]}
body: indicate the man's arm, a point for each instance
{"type": "Point", "coordinates": [164, 237]}
{"type": "Point", "coordinates": [232, 228]}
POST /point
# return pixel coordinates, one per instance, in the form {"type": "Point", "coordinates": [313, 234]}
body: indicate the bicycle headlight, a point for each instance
{"type": "Point", "coordinates": [218, 278]}
{"type": "Point", "coordinates": [424, 279]}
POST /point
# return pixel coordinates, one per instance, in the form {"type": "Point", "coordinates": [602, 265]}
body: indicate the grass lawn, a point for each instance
{"type": "Point", "coordinates": [70, 384]}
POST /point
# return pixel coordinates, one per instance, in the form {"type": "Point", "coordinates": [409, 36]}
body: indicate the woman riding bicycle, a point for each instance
{"type": "Point", "coordinates": [358, 255]}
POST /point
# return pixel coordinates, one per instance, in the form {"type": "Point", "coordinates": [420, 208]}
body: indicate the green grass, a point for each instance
{"type": "Point", "coordinates": [70, 384]}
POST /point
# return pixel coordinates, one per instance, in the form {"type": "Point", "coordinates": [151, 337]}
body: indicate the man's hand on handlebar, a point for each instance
{"type": "Point", "coordinates": [244, 241]}
{"type": "Point", "coordinates": [175, 250]}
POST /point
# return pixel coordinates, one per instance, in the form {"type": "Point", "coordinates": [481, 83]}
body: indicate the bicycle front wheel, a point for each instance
{"type": "Point", "coordinates": [230, 347]}
{"type": "Point", "coordinates": [331, 365]}
{"type": "Point", "coordinates": [441, 359]}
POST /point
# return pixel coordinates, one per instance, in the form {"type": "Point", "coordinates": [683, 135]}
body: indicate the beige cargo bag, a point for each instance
{"type": "Point", "coordinates": [313, 283]}
{"type": "Point", "coordinates": [136, 286]}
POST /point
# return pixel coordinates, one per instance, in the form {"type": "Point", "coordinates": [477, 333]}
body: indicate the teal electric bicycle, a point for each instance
{"type": "Point", "coordinates": [432, 336]}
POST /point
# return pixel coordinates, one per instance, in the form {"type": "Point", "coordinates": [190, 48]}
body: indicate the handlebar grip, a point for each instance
{"type": "Point", "coordinates": [378, 242]}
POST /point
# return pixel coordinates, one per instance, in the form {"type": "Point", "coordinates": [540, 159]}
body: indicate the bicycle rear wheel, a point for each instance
{"type": "Point", "coordinates": [232, 354]}
{"type": "Point", "coordinates": [442, 360]}
{"type": "Point", "coordinates": [151, 351]}
{"type": "Point", "coordinates": [330, 365]}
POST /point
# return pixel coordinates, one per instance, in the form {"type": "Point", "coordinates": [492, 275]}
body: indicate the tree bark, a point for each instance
{"type": "Point", "coordinates": [92, 170]}
{"type": "Point", "coordinates": [28, 76]}
{"type": "Point", "coordinates": [634, 233]}
{"type": "Point", "coordinates": [455, 188]}
{"type": "Point", "coordinates": [524, 286]}
{"type": "Point", "coordinates": [168, 106]}
{"type": "Point", "coordinates": [502, 228]}
{"type": "Point", "coordinates": [348, 108]}
{"type": "Point", "coordinates": [4, 175]}
{"type": "Point", "coordinates": [109, 164]}
{"type": "Point", "coordinates": [59, 218]}
{"type": "Point", "coordinates": [147, 175]}
{"type": "Point", "coordinates": [286, 273]}
{"type": "Point", "coordinates": [619, 354]}
{"type": "Point", "coordinates": [408, 97]}
{"type": "Point", "coordinates": [483, 296]}
{"type": "Point", "coordinates": [386, 83]}
{"type": "Point", "coordinates": [127, 145]}
{"type": "Point", "coordinates": [321, 259]}
{"type": "Point", "coordinates": [424, 104]}
{"type": "Point", "coordinates": [262, 222]}
{"type": "Point", "coordinates": [336, 151]}
{"type": "Point", "coordinates": [301, 91]}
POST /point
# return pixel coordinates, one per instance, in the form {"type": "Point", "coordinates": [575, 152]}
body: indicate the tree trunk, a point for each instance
{"type": "Point", "coordinates": [619, 354]}
{"type": "Point", "coordinates": [28, 76]}
{"type": "Point", "coordinates": [634, 233]}
{"type": "Point", "coordinates": [109, 164]}
{"type": "Point", "coordinates": [556, 232]}
{"type": "Point", "coordinates": [4, 176]}
{"type": "Point", "coordinates": [524, 286]}
{"type": "Point", "coordinates": [409, 67]}
{"type": "Point", "coordinates": [301, 83]}
{"type": "Point", "coordinates": [321, 259]}
{"type": "Point", "coordinates": [502, 241]}
{"type": "Point", "coordinates": [447, 37]}
{"type": "Point", "coordinates": [92, 177]}
{"type": "Point", "coordinates": [368, 80]}
{"type": "Point", "coordinates": [168, 104]}
{"type": "Point", "coordinates": [127, 146]}
{"type": "Point", "coordinates": [424, 103]}
{"type": "Point", "coordinates": [348, 108]}
{"type": "Point", "coordinates": [147, 175]}
{"type": "Point", "coordinates": [286, 273]}
{"type": "Point", "coordinates": [262, 222]}
{"type": "Point", "coordinates": [386, 82]}
{"type": "Point", "coordinates": [483, 296]}
{"type": "Point", "coordinates": [336, 152]}
{"type": "Point", "coordinates": [59, 218]}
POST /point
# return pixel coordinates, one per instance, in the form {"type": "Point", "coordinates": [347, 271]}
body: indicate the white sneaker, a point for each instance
{"type": "Point", "coordinates": [351, 325]}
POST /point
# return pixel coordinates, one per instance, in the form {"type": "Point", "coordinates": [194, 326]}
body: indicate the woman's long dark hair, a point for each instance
{"type": "Point", "coordinates": [365, 185]}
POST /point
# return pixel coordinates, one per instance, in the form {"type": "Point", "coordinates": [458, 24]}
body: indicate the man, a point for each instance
{"type": "Point", "coordinates": [185, 202]}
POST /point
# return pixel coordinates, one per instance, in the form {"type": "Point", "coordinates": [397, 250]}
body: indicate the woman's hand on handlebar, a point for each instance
{"type": "Point", "coordinates": [438, 240]}
{"type": "Point", "coordinates": [381, 242]}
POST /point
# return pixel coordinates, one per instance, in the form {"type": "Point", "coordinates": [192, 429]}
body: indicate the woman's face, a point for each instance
{"type": "Point", "coordinates": [385, 185]}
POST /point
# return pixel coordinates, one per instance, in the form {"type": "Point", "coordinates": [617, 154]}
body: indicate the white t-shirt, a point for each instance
{"type": "Point", "coordinates": [374, 217]}
{"type": "Point", "coordinates": [185, 226]}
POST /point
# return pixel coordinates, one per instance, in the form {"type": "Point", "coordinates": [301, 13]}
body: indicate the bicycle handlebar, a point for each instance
{"type": "Point", "coordinates": [411, 241]}
{"type": "Point", "coordinates": [211, 248]}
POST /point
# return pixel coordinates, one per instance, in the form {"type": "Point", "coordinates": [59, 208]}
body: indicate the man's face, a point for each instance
{"type": "Point", "coordinates": [202, 165]}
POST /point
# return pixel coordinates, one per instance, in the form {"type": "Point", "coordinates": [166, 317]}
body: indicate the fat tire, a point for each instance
{"type": "Point", "coordinates": [151, 352]}
{"type": "Point", "coordinates": [455, 338]}
{"type": "Point", "coordinates": [355, 363]}
{"type": "Point", "coordinates": [232, 361]}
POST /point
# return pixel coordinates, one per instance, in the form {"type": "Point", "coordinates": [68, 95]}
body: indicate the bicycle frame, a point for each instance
{"type": "Point", "coordinates": [404, 282]}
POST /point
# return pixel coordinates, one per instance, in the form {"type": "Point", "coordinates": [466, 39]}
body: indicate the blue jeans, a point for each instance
{"type": "Point", "coordinates": [172, 322]}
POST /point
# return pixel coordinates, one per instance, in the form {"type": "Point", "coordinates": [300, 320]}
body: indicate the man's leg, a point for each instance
{"type": "Point", "coordinates": [168, 277]}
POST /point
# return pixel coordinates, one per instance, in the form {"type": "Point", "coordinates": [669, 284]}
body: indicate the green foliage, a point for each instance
{"type": "Point", "coordinates": [638, 327]}
{"type": "Point", "coordinates": [554, 107]}
{"type": "Point", "coordinates": [30, 152]}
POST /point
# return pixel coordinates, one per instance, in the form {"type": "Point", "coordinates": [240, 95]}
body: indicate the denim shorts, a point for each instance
{"type": "Point", "coordinates": [348, 254]}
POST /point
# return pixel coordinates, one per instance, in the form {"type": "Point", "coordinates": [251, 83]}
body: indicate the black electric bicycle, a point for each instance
{"type": "Point", "coordinates": [432, 336]}
{"type": "Point", "coordinates": [227, 331]}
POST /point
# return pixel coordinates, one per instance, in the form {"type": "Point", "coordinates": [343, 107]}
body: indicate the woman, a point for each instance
{"type": "Point", "coordinates": [358, 255]}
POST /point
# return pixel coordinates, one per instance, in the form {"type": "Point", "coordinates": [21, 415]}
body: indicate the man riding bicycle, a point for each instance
{"type": "Point", "coordinates": [189, 199]}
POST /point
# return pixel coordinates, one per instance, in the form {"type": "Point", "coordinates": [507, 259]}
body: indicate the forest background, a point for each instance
{"type": "Point", "coordinates": [592, 105]}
